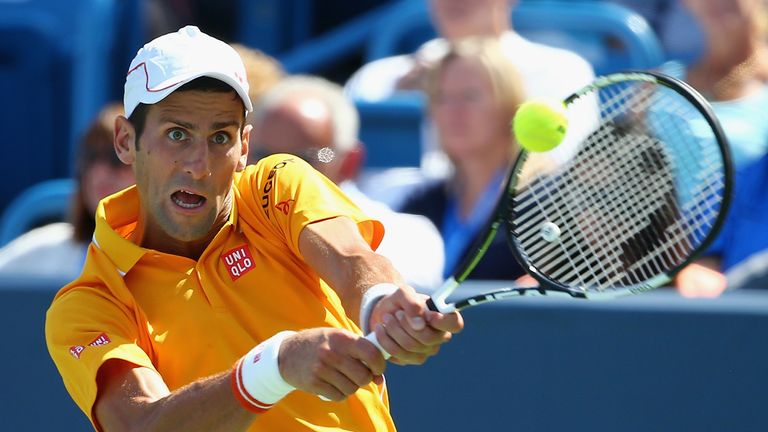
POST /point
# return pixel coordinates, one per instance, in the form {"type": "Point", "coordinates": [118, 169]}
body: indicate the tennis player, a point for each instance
{"type": "Point", "coordinates": [217, 296]}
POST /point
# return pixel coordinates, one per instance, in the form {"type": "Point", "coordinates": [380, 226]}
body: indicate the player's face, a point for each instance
{"type": "Point", "coordinates": [469, 119]}
{"type": "Point", "coordinates": [191, 147]}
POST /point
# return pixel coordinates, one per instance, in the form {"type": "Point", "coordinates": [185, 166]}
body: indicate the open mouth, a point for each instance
{"type": "Point", "coordinates": [187, 200]}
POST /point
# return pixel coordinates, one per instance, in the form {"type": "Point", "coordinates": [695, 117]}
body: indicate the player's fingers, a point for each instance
{"type": "Point", "coordinates": [370, 355]}
{"type": "Point", "coordinates": [388, 343]}
{"type": "Point", "coordinates": [426, 336]}
{"type": "Point", "coordinates": [337, 386]}
{"type": "Point", "coordinates": [451, 322]}
{"type": "Point", "coordinates": [400, 344]}
{"type": "Point", "coordinates": [413, 305]}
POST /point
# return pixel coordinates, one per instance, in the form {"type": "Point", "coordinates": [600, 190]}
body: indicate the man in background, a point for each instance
{"type": "Point", "coordinates": [308, 116]}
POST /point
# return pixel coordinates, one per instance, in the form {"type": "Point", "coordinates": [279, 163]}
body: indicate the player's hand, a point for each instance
{"type": "Point", "coordinates": [330, 362]}
{"type": "Point", "coordinates": [409, 331]}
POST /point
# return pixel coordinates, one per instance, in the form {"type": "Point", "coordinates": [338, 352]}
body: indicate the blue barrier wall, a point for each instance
{"type": "Point", "coordinates": [655, 362]}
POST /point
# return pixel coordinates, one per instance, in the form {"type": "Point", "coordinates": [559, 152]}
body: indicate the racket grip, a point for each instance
{"type": "Point", "coordinates": [374, 340]}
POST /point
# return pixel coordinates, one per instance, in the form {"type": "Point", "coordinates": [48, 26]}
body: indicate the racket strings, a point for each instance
{"type": "Point", "coordinates": [642, 192]}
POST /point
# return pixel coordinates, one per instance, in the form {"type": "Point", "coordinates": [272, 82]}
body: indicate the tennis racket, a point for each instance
{"type": "Point", "coordinates": [644, 193]}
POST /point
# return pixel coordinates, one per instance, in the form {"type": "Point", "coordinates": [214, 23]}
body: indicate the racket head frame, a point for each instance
{"type": "Point", "coordinates": [547, 284]}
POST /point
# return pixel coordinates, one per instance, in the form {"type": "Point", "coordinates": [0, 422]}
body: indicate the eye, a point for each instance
{"type": "Point", "coordinates": [221, 138]}
{"type": "Point", "coordinates": [177, 135]}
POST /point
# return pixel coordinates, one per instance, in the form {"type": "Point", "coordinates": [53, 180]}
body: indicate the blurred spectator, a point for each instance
{"type": "Point", "coordinates": [473, 92]}
{"type": "Point", "coordinates": [302, 115]}
{"type": "Point", "coordinates": [58, 249]}
{"type": "Point", "coordinates": [263, 70]}
{"type": "Point", "coordinates": [680, 35]}
{"type": "Point", "coordinates": [742, 237]}
{"type": "Point", "coordinates": [732, 74]}
{"type": "Point", "coordinates": [546, 72]}
{"type": "Point", "coordinates": [733, 71]}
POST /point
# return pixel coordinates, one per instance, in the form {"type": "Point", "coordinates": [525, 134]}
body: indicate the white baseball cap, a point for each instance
{"type": "Point", "coordinates": [172, 60]}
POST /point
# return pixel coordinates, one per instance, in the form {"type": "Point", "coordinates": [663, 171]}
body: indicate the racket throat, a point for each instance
{"type": "Point", "coordinates": [437, 301]}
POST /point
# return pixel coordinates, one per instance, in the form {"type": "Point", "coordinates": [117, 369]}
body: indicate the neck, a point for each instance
{"type": "Point", "coordinates": [151, 235]}
{"type": "Point", "coordinates": [161, 242]}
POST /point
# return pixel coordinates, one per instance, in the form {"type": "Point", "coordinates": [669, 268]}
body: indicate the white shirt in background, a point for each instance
{"type": "Point", "coordinates": [411, 242]}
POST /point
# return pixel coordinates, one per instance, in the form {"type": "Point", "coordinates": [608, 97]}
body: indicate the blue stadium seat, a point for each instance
{"type": "Point", "coordinates": [609, 36]}
{"type": "Point", "coordinates": [391, 131]}
{"type": "Point", "coordinates": [43, 202]}
{"type": "Point", "coordinates": [55, 66]}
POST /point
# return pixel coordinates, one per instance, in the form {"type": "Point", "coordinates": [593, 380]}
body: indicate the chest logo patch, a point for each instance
{"type": "Point", "coordinates": [238, 261]}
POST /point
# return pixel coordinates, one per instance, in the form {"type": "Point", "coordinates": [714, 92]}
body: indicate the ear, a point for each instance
{"type": "Point", "coordinates": [125, 140]}
{"type": "Point", "coordinates": [244, 139]}
{"type": "Point", "coordinates": [352, 162]}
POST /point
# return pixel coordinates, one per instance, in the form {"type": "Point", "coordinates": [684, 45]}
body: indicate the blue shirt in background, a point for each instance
{"type": "Point", "coordinates": [745, 231]}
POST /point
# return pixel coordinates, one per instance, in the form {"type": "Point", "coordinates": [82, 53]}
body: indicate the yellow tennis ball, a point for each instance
{"type": "Point", "coordinates": [539, 125]}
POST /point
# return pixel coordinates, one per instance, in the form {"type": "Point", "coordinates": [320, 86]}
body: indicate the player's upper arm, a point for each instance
{"type": "Point", "coordinates": [125, 392]}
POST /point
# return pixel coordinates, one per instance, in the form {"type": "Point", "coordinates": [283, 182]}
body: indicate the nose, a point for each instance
{"type": "Point", "coordinates": [197, 160]}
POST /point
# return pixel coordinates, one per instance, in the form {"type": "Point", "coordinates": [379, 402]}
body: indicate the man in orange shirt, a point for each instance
{"type": "Point", "coordinates": [217, 296]}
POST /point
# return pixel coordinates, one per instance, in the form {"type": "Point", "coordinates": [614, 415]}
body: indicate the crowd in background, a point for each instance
{"type": "Point", "coordinates": [473, 76]}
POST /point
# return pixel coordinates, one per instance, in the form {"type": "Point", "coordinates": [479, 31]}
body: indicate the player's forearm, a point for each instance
{"type": "Point", "coordinates": [341, 257]}
{"type": "Point", "coordinates": [205, 405]}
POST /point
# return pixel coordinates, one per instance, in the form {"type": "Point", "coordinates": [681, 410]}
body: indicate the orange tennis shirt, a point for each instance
{"type": "Point", "coordinates": [189, 319]}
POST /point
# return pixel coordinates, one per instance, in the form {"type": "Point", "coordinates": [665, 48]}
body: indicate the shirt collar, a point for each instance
{"type": "Point", "coordinates": [116, 219]}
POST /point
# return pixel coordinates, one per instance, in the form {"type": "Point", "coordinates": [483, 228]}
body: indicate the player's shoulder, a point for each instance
{"type": "Point", "coordinates": [76, 301]}
{"type": "Point", "coordinates": [268, 166]}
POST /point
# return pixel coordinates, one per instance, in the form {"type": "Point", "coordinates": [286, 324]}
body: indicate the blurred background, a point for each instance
{"type": "Point", "coordinates": [657, 362]}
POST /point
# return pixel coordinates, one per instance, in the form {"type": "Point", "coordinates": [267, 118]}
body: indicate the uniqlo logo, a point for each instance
{"type": "Point", "coordinates": [238, 261]}
{"type": "Point", "coordinates": [76, 351]}
{"type": "Point", "coordinates": [103, 339]}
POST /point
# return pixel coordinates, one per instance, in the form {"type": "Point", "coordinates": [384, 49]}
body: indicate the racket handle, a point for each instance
{"type": "Point", "coordinates": [431, 305]}
{"type": "Point", "coordinates": [374, 340]}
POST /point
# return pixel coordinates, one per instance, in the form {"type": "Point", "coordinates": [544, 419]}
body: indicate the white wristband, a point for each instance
{"type": "Point", "coordinates": [370, 298]}
{"type": "Point", "coordinates": [256, 379]}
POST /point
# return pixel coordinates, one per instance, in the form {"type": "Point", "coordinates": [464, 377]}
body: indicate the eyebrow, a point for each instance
{"type": "Point", "coordinates": [190, 126]}
{"type": "Point", "coordinates": [181, 123]}
{"type": "Point", "coordinates": [225, 124]}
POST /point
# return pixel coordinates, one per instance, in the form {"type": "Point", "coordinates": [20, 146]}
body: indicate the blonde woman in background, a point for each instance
{"type": "Point", "coordinates": [473, 94]}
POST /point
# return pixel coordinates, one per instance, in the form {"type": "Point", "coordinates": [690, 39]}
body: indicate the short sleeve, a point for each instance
{"type": "Point", "coordinates": [83, 329]}
{"type": "Point", "coordinates": [287, 194]}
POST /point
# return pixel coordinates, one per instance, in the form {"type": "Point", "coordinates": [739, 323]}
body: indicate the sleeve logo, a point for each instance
{"type": "Point", "coordinates": [238, 261]}
{"type": "Point", "coordinates": [77, 350]}
{"type": "Point", "coordinates": [284, 206]}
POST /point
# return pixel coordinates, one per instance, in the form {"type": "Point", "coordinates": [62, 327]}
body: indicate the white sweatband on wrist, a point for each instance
{"type": "Point", "coordinates": [370, 298]}
{"type": "Point", "coordinates": [256, 379]}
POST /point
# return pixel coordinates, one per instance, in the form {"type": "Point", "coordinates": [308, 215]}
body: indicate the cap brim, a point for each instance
{"type": "Point", "coordinates": [167, 87]}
